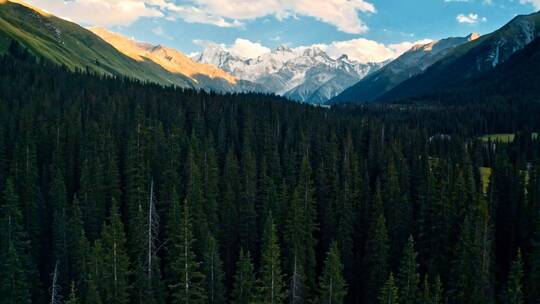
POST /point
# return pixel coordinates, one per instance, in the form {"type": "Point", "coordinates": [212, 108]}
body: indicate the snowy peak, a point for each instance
{"type": "Point", "coordinates": [282, 49]}
{"type": "Point", "coordinates": [303, 74]}
{"type": "Point", "coordinates": [314, 52]}
{"type": "Point", "coordinates": [214, 54]}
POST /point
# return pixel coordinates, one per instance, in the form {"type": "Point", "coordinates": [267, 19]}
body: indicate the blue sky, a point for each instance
{"type": "Point", "coordinates": [370, 30]}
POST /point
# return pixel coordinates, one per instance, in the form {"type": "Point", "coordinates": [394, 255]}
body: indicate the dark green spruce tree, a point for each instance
{"type": "Point", "coordinates": [389, 292]}
{"type": "Point", "coordinates": [332, 285]}
{"type": "Point", "coordinates": [115, 268]}
{"type": "Point", "coordinates": [186, 277]}
{"type": "Point", "coordinates": [271, 287]}
{"type": "Point", "coordinates": [408, 277]}
{"type": "Point", "coordinates": [376, 259]}
{"type": "Point", "coordinates": [244, 291]}
{"type": "Point", "coordinates": [213, 272]}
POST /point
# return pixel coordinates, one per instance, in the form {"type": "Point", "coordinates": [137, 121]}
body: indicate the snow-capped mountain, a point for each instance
{"type": "Point", "coordinates": [304, 74]}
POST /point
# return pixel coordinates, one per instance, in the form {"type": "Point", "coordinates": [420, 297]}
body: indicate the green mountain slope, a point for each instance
{"type": "Point", "coordinates": [410, 64]}
{"type": "Point", "coordinates": [71, 45]}
{"type": "Point", "coordinates": [517, 79]}
{"type": "Point", "coordinates": [471, 60]}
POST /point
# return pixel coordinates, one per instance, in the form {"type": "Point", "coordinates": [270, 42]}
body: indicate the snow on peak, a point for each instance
{"type": "Point", "coordinates": [287, 71]}
{"type": "Point", "coordinates": [282, 48]}
{"type": "Point", "coordinates": [314, 52]}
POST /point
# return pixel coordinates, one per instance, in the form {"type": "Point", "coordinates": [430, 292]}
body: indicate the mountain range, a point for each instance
{"type": "Point", "coordinates": [303, 74]}
{"type": "Point", "coordinates": [307, 75]}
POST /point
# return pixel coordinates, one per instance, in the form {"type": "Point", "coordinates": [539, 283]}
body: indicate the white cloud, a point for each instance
{"type": "Point", "coordinates": [241, 47]}
{"type": "Point", "coordinates": [361, 50]}
{"type": "Point", "coordinates": [364, 50]}
{"type": "Point", "coordinates": [343, 14]}
{"type": "Point", "coordinates": [99, 12]}
{"type": "Point", "coordinates": [535, 3]}
{"type": "Point", "coordinates": [470, 18]}
{"type": "Point", "coordinates": [247, 49]}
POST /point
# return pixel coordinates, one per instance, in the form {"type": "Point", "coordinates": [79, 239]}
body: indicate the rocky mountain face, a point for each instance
{"type": "Point", "coordinates": [470, 60]}
{"type": "Point", "coordinates": [204, 76]}
{"type": "Point", "coordinates": [409, 64]}
{"type": "Point", "coordinates": [304, 75]}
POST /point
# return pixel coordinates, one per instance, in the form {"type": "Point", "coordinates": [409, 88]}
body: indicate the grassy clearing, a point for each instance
{"type": "Point", "coordinates": [503, 137]}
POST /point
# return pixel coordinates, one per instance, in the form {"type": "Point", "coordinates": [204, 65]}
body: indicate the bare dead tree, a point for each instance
{"type": "Point", "coordinates": [56, 298]}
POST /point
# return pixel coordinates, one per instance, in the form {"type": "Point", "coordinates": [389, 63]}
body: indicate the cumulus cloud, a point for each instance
{"type": "Point", "coordinates": [241, 47]}
{"type": "Point", "coordinates": [534, 3]}
{"type": "Point", "coordinates": [361, 50]}
{"type": "Point", "coordinates": [343, 14]}
{"type": "Point", "coordinates": [470, 18]}
{"type": "Point", "coordinates": [364, 50]}
{"type": "Point", "coordinates": [247, 49]}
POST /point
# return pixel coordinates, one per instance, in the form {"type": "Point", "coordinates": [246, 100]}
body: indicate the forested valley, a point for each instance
{"type": "Point", "coordinates": [116, 191]}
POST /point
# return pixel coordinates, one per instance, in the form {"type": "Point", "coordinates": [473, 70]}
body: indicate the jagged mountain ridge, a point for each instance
{"type": "Point", "coordinates": [411, 63]}
{"type": "Point", "coordinates": [305, 75]}
{"type": "Point", "coordinates": [471, 60]}
{"type": "Point", "coordinates": [205, 76]}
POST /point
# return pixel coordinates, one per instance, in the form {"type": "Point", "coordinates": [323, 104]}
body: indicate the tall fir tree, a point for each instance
{"type": "Point", "coordinates": [73, 298]}
{"type": "Point", "coordinates": [115, 268]}
{"type": "Point", "coordinates": [78, 245]}
{"type": "Point", "coordinates": [332, 285]}
{"type": "Point", "coordinates": [58, 205]}
{"type": "Point", "coordinates": [213, 272]}
{"type": "Point", "coordinates": [376, 259]}
{"type": "Point", "coordinates": [187, 280]}
{"type": "Point", "coordinates": [300, 227]}
{"type": "Point", "coordinates": [408, 277]}
{"type": "Point", "coordinates": [243, 291]}
{"type": "Point", "coordinates": [389, 292]}
{"type": "Point", "coordinates": [271, 287]}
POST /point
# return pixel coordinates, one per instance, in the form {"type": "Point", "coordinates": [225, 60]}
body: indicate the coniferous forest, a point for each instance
{"type": "Point", "coordinates": [116, 191]}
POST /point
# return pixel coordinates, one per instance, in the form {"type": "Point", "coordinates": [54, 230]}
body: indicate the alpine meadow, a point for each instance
{"type": "Point", "coordinates": [336, 168]}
